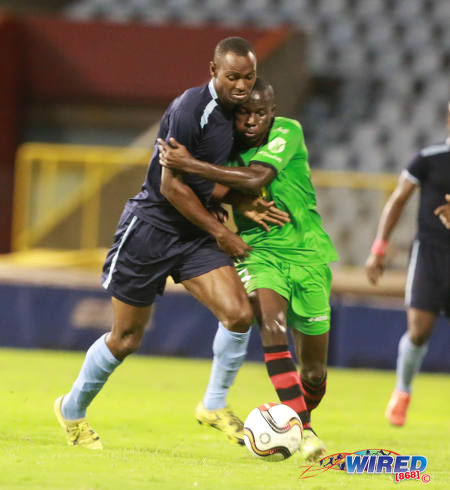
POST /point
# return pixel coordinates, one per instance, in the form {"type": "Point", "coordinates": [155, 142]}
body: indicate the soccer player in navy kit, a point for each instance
{"type": "Point", "coordinates": [167, 229]}
{"type": "Point", "coordinates": [428, 281]}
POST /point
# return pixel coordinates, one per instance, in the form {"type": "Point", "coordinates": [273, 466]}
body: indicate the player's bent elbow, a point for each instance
{"type": "Point", "coordinates": [255, 184]}
{"type": "Point", "coordinates": [253, 187]}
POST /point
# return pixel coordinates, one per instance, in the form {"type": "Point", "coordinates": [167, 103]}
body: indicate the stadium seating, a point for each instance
{"type": "Point", "coordinates": [396, 43]}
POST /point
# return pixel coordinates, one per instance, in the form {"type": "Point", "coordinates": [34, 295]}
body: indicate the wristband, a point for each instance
{"type": "Point", "coordinates": [379, 247]}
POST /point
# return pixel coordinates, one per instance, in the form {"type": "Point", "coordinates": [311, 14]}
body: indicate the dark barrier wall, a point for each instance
{"type": "Point", "coordinates": [133, 62]}
{"type": "Point", "coordinates": [10, 87]}
{"type": "Point", "coordinates": [57, 318]}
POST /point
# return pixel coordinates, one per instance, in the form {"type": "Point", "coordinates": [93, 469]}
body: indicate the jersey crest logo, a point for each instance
{"type": "Point", "coordinates": [277, 145]}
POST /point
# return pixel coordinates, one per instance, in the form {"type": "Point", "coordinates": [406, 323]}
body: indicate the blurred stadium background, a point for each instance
{"type": "Point", "coordinates": [82, 86]}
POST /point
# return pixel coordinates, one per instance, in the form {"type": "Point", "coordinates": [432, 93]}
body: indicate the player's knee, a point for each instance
{"type": "Point", "coordinates": [239, 318]}
{"type": "Point", "coordinates": [418, 338]}
{"type": "Point", "coordinates": [314, 376]}
{"type": "Point", "coordinates": [273, 332]}
{"type": "Point", "coordinates": [124, 344]}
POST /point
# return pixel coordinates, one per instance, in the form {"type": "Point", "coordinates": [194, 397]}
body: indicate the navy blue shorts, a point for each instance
{"type": "Point", "coordinates": [428, 280]}
{"type": "Point", "coordinates": [143, 256]}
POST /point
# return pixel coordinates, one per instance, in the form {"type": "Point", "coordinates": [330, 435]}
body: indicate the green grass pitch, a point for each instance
{"type": "Point", "coordinates": [152, 441]}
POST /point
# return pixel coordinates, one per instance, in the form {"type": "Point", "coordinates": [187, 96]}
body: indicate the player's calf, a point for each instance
{"type": "Point", "coordinates": [314, 388]}
{"type": "Point", "coordinates": [286, 381]}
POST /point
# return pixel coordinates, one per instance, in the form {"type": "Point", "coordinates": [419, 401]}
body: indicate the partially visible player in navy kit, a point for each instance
{"type": "Point", "coordinates": [167, 230]}
{"type": "Point", "coordinates": [428, 281]}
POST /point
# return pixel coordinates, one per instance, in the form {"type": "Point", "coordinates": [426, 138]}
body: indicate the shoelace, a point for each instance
{"type": "Point", "coordinates": [234, 419]}
{"type": "Point", "coordinates": [76, 430]}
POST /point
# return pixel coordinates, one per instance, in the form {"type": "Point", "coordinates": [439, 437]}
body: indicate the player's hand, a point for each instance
{"type": "Point", "coordinates": [173, 155]}
{"type": "Point", "coordinates": [220, 214]}
{"type": "Point", "coordinates": [443, 212]}
{"type": "Point", "coordinates": [232, 244]}
{"type": "Point", "coordinates": [374, 268]}
{"type": "Point", "coordinates": [263, 212]}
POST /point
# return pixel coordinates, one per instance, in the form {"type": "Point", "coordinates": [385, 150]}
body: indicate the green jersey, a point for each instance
{"type": "Point", "coordinates": [302, 240]}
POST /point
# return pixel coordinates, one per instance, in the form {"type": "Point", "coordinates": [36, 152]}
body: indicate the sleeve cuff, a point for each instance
{"type": "Point", "coordinates": [264, 164]}
{"type": "Point", "coordinates": [411, 177]}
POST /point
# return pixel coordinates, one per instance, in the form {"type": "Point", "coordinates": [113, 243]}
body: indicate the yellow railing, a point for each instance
{"type": "Point", "coordinates": [354, 180]}
{"type": "Point", "coordinates": [54, 182]}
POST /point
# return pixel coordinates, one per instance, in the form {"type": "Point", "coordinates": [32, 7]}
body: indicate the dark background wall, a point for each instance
{"type": "Point", "coordinates": [363, 334]}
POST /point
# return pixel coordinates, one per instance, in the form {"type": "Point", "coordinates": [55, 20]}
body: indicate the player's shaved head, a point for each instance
{"type": "Point", "coordinates": [237, 45]}
{"type": "Point", "coordinates": [265, 88]}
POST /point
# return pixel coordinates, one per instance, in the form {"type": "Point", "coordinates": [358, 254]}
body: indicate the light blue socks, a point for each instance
{"type": "Point", "coordinates": [229, 349]}
{"type": "Point", "coordinates": [98, 365]}
{"type": "Point", "coordinates": [409, 360]}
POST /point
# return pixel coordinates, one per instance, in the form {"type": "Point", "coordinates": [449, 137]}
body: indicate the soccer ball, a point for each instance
{"type": "Point", "coordinates": [273, 431]}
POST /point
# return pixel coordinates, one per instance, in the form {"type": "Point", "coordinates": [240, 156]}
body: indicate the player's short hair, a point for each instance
{"type": "Point", "coordinates": [237, 45]}
{"type": "Point", "coordinates": [262, 85]}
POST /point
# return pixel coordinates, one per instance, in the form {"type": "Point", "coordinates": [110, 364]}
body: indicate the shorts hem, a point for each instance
{"type": "Point", "coordinates": [436, 311]}
{"type": "Point", "coordinates": [273, 288]}
{"type": "Point", "coordinates": [129, 301]}
{"type": "Point", "coordinates": [317, 331]}
{"type": "Point", "coordinates": [204, 270]}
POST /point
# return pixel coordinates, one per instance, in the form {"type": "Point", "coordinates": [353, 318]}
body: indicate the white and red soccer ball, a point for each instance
{"type": "Point", "coordinates": [273, 431]}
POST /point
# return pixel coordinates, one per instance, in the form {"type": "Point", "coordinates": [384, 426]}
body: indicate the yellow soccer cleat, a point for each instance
{"type": "Point", "coordinates": [312, 448]}
{"type": "Point", "coordinates": [78, 432]}
{"type": "Point", "coordinates": [222, 419]}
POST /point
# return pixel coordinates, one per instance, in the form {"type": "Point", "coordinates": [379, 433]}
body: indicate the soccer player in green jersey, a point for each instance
{"type": "Point", "coordinates": [286, 275]}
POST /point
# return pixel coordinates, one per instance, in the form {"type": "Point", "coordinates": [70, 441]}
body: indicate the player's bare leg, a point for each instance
{"type": "Point", "coordinates": [222, 292]}
{"type": "Point", "coordinates": [102, 358]}
{"type": "Point", "coordinates": [412, 349]}
{"type": "Point", "coordinates": [128, 328]}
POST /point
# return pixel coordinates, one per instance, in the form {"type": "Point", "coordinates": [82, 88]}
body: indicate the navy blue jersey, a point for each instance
{"type": "Point", "coordinates": [430, 169]}
{"type": "Point", "coordinates": [196, 120]}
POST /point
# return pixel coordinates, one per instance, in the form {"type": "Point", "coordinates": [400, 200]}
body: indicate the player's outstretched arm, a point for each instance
{"type": "Point", "coordinates": [390, 215]}
{"type": "Point", "coordinates": [443, 212]}
{"type": "Point", "coordinates": [186, 202]}
{"type": "Point", "coordinates": [176, 156]}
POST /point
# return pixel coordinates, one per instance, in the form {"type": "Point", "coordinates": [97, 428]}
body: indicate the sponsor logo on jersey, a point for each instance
{"type": "Point", "coordinates": [277, 145]}
{"type": "Point", "coordinates": [269, 155]}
